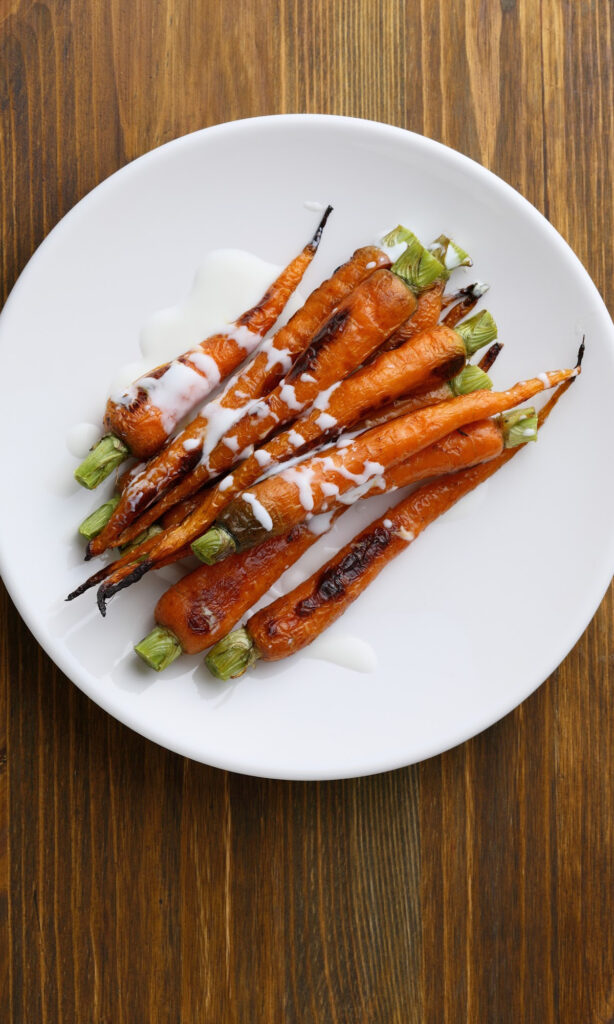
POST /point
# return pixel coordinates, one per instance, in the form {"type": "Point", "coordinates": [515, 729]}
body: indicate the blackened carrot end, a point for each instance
{"type": "Point", "coordinates": [490, 356]}
{"type": "Point", "coordinates": [315, 241]}
{"type": "Point", "coordinates": [108, 590]}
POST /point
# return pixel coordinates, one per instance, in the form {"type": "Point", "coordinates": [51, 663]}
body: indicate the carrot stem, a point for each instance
{"type": "Point", "coordinates": [159, 648]}
{"type": "Point", "coordinates": [450, 254]}
{"type": "Point", "coordinates": [418, 267]}
{"type": "Point", "coordinates": [98, 519]}
{"type": "Point", "coordinates": [104, 457]}
{"type": "Point", "coordinates": [518, 426]}
{"type": "Point", "coordinates": [477, 331]}
{"type": "Point", "coordinates": [233, 655]}
{"type": "Point", "coordinates": [471, 378]}
{"type": "Point", "coordinates": [214, 545]}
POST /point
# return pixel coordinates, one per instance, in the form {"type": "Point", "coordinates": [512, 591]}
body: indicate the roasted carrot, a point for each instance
{"type": "Point", "coordinates": [202, 607]}
{"type": "Point", "coordinates": [358, 326]}
{"type": "Point", "coordinates": [436, 353]}
{"type": "Point", "coordinates": [205, 505]}
{"type": "Point", "coordinates": [278, 502]}
{"type": "Point", "coordinates": [469, 299]}
{"type": "Point", "coordinates": [246, 521]}
{"type": "Point", "coordinates": [139, 421]}
{"type": "Point", "coordinates": [295, 620]}
{"type": "Point", "coordinates": [260, 375]}
{"type": "Point", "coordinates": [471, 378]}
{"type": "Point", "coordinates": [488, 359]}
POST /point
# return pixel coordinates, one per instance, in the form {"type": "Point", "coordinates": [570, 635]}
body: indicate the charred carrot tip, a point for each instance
{"type": "Point", "coordinates": [104, 457]}
{"type": "Point", "coordinates": [159, 648]}
{"type": "Point", "coordinates": [98, 577]}
{"type": "Point", "coordinates": [315, 241]}
{"type": "Point", "coordinates": [469, 292]}
{"type": "Point", "coordinates": [232, 655]}
{"type": "Point", "coordinates": [108, 590]}
{"type": "Point", "coordinates": [581, 352]}
{"type": "Point", "coordinates": [490, 356]}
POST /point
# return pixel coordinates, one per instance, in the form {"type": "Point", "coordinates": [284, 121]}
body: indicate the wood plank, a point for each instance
{"type": "Point", "coordinates": [135, 885]}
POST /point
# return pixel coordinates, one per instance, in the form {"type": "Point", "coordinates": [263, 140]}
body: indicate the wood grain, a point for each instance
{"type": "Point", "coordinates": [137, 886]}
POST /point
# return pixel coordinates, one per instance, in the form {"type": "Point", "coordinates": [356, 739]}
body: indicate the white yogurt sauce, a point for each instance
{"type": "Point", "coordinates": [227, 283]}
{"type": "Point", "coordinates": [343, 649]}
{"type": "Point", "coordinates": [259, 510]}
{"type": "Point", "coordinates": [80, 438]}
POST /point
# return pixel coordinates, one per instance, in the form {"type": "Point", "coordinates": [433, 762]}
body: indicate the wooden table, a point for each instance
{"type": "Point", "coordinates": [139, 887]}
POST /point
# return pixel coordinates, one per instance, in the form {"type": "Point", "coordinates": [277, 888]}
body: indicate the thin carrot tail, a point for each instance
{"type": "Point", "coordinates": [93, 581]}
{"type": "Point", "coordinates": [545, 411]}
{"type": "Point", "coordinates": [315, 241]}
{"type": "Point", "coordinates": [489, 356]}
{"type": "Point", "coordinates": [468, 299]}
{"type": "Point", "coordinates": [124, 578]}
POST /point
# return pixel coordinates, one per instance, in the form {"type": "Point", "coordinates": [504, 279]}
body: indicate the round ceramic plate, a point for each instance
{"type": "Point", "coordinates": [473, 616]}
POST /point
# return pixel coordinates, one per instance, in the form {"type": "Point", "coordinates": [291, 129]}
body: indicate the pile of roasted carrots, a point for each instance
{"type": "Point", "coordinates": [367, 389]}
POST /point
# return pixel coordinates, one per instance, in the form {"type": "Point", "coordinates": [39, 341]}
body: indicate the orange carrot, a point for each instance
{"type": "Point", "coordinates": [434, 353]}
{"type": "Point", "coordinates": [358, 326]}
{"type": "Point", "coordinates": [278, 502]}
{"type": "Point", "coordinates": [202, 607]}
{"type": "Point", "coordinates": [318, 478]}
{"type": "Point", "coordinates": [141, 419]}
{"type": "Point", "coordinates": [296, 619]}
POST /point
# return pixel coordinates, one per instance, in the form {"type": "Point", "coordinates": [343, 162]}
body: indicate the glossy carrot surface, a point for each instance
{"type": "Point", "coordinates": [203, 606]}
{"type": "Point", "coordinates": [357, 327]}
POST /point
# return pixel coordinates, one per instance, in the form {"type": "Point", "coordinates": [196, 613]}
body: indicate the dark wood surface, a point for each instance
{"type": "Point", "coordinates": [136, 886]}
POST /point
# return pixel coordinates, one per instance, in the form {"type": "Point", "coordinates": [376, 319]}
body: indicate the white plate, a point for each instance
{"type": "Point", "coordinates": [478, 612]}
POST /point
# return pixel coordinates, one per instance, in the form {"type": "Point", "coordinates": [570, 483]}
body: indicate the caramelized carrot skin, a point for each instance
{"type": "Point", "coordinates": [263, 374]}
{"type": "Point", "coordinates": [139, 424]}
{"type": "Point", "coordinates": [286, 626]}
{"type": "Point", "coordinates": [357, 327]}
{"type": "Point", "coordinates": [295, 620]}
{"type": "Point", "coordinates": [205, 605]}
{"type": "Point", "coordinates": [283, 495]}
{"type": "Point", "coordinates": [426, 315]}
{"type": "Point", "coordinates": [258, 377]}
{"type": "Point", "coordinates": [150, 554]}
